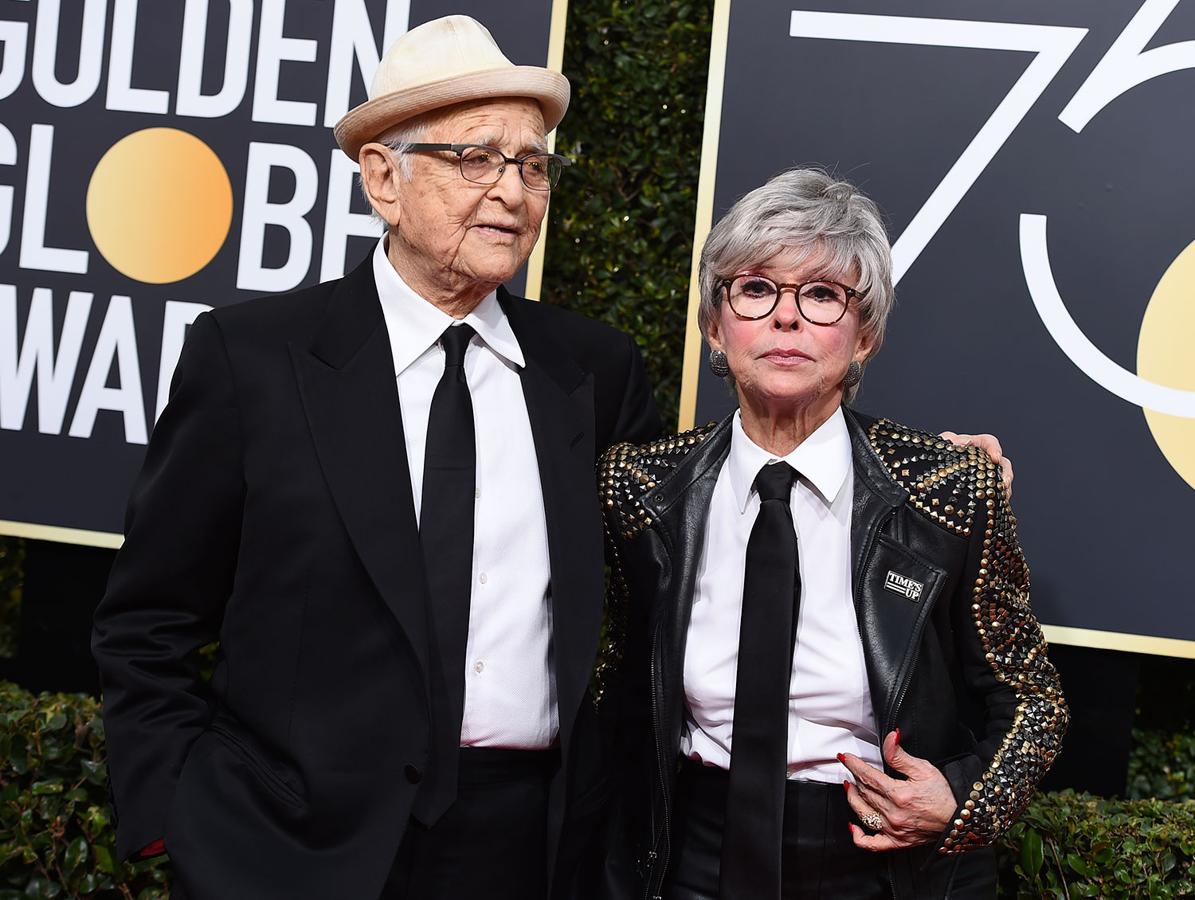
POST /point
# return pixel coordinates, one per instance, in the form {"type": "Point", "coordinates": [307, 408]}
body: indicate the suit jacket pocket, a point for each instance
{"type": "Point", "coordinates": [245, 747]}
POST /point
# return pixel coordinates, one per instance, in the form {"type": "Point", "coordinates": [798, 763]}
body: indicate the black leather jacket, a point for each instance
{"type": "Point", "coordinates": [960, 668]}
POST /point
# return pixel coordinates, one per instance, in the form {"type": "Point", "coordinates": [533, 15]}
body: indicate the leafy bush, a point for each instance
{"type": "Point", "coordinates": [56, 832]}
{"type": "Point", "coordinates": [12, 553]}
{"type": "Point", "coordinates": [1162, 765]}
{"type": "Point", "coordinates": [620, 237]}
{"type": "Point", "coordinates": [1076, 845]}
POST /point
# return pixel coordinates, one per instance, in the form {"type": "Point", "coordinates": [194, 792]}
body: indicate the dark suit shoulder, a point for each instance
{"type": "Point", "coordinates": [289, 314]}
{"type": "Point", "coordinates": [570, 325]}
{"type": "Point", "coordinates": [947, 483]}
{"type": "Point", "coordinates": [628, 471]}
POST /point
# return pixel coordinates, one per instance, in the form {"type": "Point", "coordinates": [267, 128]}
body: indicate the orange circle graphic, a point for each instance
{"type": "Point", "coordinates": [159, 205]}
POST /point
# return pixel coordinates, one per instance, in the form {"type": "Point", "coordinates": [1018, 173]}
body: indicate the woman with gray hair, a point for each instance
{"type": "Point", "coordinates": [831, 681]}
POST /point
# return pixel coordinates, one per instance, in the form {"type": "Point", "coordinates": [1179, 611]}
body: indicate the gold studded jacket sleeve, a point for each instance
{"type": "Point", "coordinates": [1000, 643]}
{"type": "Point", "coordinates": [626, 472]}
{"type": "Point", "coordinates": [614, 626]}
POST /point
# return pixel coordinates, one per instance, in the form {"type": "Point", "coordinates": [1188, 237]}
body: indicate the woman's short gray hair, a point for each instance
{"type": "Point", "coordinates": [808, 211]}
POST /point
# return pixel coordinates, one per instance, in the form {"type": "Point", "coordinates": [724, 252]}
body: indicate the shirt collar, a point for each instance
{"type": "Point", "coordinates": [415, 323]}
{"type": "Point", "coordinates": [823, 459]}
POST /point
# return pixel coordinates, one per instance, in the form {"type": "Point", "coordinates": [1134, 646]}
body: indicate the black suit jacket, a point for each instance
{"type": "Point", "coordinates": [274, 514]}
{"type": "Point", "coordinates": [955, 658]}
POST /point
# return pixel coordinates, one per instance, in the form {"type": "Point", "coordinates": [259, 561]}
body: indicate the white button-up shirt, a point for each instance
{"type": "Point", "coordinates": [830, 708]}
{"type": "Point", "coordinates": [510, 683]}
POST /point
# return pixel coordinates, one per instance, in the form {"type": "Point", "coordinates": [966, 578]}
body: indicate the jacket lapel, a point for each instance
{"type": "Point", "coordinates": [350, 394]}
{"type": "Point", "coordinates": [894, 587]}
{"type": "Point", "coordinates": [679, 507]}
{"type": "Point", "coordinates": [560, 407]}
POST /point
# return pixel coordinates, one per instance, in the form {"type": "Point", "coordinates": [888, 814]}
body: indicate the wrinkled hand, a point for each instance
{"type": "Point", "coordinates": [915, 811]}
{"type": "Point", "coordinates": [989, 445]}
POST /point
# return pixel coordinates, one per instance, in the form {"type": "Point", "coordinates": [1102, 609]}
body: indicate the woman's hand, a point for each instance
{"type": "Point", "coordinates": [989, 445]}
{"type": "Point", "coordinates": [908, 813]}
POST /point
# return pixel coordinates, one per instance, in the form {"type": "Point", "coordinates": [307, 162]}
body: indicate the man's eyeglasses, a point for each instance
{"type": "Point", "coordinates": [819, 302]}
{"type": "Point", "coordinates": [485, 165]}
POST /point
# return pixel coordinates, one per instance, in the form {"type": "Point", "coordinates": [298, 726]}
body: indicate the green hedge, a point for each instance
{"type": "Point", "coordinates": [620, 235]}
{"type": "Point", "coordinates": [1075, 845]}
{"type": "Point", "coordinates": [57, 837]}
{"type": "Point", "coordinates": [1162, 765]}
{"type": "Point", "coordinates": [56, 832]}
{"type": "Point", "coordinates": [12, 555]}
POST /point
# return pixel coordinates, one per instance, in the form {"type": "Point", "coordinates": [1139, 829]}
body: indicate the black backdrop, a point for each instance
{"type": "Point", "coordinates": [1105, 517]}
{"type": "Point", "coordinates": [80, 483]}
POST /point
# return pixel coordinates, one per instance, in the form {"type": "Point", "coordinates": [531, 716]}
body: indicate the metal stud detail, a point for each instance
{"type": "Point", "coordinates": [964, 484]}
{"type": "Point", "coordinates": [626, 473]}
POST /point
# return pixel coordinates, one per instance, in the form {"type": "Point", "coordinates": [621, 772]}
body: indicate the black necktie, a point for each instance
{"type": "Point", "coordinates": [446, 536]}
{"type": "Point", "coordinates": [751, 842]}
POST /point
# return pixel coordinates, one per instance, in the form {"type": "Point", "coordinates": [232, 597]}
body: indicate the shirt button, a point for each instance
{"type": "Point", "coordinates": [483, 579]}
{"type": "Point", "coordinates": [476, 493]}
{"type": "Point", "coordinates": [479, 667]}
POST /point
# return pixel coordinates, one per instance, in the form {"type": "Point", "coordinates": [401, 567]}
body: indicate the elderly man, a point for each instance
{"type": "Point", "coordinates": [377, 494]}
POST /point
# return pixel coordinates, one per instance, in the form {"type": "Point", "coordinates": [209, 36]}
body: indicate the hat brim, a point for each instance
{"type": "Point", "coordinates": [366, 122]}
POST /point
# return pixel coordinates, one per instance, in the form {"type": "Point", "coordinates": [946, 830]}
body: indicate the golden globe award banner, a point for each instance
{"type": "Point", "coordinates": [1035, 164]}
{"type": "Point", "coordinates": [157, 159]}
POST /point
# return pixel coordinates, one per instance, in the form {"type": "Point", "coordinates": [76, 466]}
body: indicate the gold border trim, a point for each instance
{"type": "Point", "coordinates": [535, 263]}
{"type": "Point", "coordinates": [705, 209]}
{"type": "Point", "coordinates": [1115, 640]}
{"type": "Point", "coordinates": [61, 535]}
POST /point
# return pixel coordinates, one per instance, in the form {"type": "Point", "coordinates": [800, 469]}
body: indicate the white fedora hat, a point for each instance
{"type": "Point", "coordinates": [449, 60]}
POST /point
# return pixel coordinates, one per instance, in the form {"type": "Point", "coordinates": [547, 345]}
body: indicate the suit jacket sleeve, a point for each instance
{"type": "Point", "coordinates": [1003, 654]}
{"type": "Point", "coordinates": [169, 586]}
{"type": "Point", "coordinates": [638, 418]}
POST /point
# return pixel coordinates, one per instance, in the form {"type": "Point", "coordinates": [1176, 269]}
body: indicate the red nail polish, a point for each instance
{"type": "Point", "coordinates": [846, 786]}
{"type": "Point", "coordinates": [842, 757]}
{"type": "Point", "coordinates": [851, 826]}
{"type": "Point", "coordinates": [898, 737]}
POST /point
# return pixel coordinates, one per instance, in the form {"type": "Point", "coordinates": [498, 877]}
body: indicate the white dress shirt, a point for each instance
{"type": "Point", "coordinates": [830, 708]}
{"type": "Point", "coordinates": [510, 683]}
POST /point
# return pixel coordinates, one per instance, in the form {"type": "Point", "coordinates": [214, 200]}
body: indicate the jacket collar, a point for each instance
{"type": "Point", "coordinates": [679, 509]}
{"type": "Point", "coordinates": [414, 324]}
{"type": "Point", "coordinates": [869, 469]}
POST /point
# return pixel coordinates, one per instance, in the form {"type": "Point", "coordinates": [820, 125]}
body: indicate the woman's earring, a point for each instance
{"type": "Point", "coordinates": [854, 374]}
{"type": "Point", "coordinates": [718, 363]}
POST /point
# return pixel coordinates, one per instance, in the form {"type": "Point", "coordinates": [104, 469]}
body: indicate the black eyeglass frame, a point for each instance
{"type": "Point", "coordinates": [850, 292]}
{"type": "Point", "coordinates": [459, 150]}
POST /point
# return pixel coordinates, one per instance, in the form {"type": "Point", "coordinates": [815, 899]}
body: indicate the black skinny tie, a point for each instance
{"type": "Point", "coordinates": [751, 842]}
{"type": "Point", "coordinates": [446, 535]}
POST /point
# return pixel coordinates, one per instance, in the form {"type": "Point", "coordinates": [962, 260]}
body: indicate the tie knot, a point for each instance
{"type": "Point", "coordinates": [775, 481]}
{"type": "Point", "coordinates": [455, 339]}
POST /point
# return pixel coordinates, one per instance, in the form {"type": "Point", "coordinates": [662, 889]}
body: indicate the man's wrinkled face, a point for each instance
{"type": "Point", "coordinates": [460, 233]}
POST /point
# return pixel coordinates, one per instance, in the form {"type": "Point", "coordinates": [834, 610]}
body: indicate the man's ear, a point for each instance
{"type": "Point", "coordinates": [379, 177]}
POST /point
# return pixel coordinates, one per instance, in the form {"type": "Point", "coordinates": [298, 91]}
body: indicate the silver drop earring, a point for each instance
{"type": "Point", "coordinates": [718, 363]}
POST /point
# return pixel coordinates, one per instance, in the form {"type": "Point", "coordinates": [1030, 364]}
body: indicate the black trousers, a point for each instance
{"type": "Point", "coordinates": [492, 841]}
{"type": "Point", "coordinates": [820, 861]}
